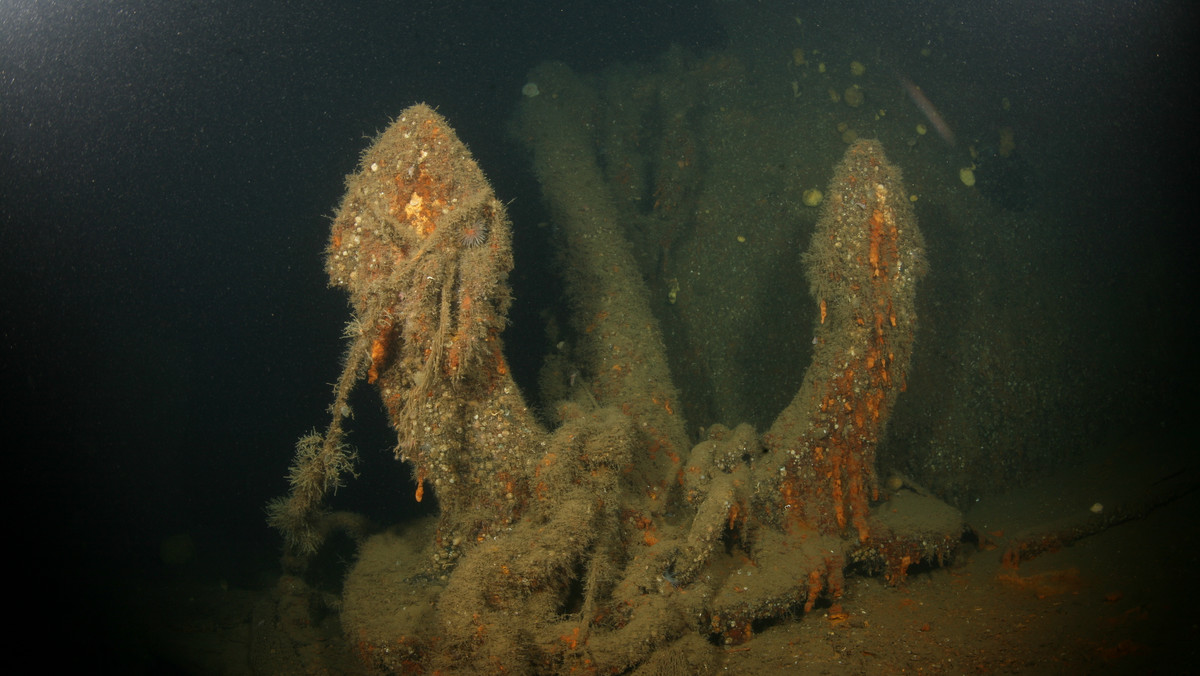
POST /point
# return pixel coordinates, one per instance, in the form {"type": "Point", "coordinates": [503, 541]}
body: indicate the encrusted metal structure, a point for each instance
{"type": "Point", "coordinates": [612, 541]}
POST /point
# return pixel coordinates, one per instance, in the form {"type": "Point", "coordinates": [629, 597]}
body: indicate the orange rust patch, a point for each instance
{"type": "Point", "coordinates": [379, 352]}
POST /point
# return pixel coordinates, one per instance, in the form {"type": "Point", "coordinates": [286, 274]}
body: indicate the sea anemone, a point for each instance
{"type": "Point", "coordinates": [474, 233]}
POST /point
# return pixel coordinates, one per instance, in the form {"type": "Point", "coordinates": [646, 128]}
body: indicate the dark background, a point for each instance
{"type": "Point", "coordinates": [167, 173]}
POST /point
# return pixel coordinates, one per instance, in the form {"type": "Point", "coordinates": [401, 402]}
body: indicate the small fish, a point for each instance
{"type": "Point", "coordinates": [926, 106]}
